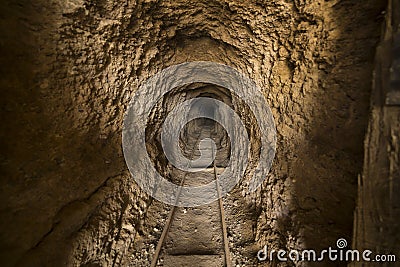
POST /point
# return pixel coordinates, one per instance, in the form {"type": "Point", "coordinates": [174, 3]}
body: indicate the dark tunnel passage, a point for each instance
{"type": "Point", "coordinates": [70, 68]}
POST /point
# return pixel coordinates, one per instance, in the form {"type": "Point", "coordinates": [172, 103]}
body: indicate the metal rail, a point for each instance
{"type": "Point", "coordinates": [166, 229]}
{"type": "Point", "coordinates": [168, 222]}
{"type": "Point", "coordinates": [228, 262]}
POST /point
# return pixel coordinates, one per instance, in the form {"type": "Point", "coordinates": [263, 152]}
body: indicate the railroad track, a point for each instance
{"type": "Point", "coordinates": [195, 236]}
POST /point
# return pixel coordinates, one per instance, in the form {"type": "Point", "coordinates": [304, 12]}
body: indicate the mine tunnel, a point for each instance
{"type": "Point", "coordinates": [326, 69]}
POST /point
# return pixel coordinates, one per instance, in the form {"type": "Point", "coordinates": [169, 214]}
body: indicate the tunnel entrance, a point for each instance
{"type": "Point", "coordinates": [189, 134]}
{"type": "Point", "coordinates": [209, 128]}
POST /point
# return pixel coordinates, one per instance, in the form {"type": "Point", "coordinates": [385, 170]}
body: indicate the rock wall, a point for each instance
{"type": "Point", "coordinates": [69, 68]}
{"type": "Point", "coordinates": [377, 213]}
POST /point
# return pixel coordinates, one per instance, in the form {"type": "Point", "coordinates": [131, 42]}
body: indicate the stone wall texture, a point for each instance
{"type": "Point", "coordinates": [377, 214]}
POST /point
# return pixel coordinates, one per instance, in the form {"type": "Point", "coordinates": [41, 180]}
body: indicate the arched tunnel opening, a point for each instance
{"type": "Point", "coordinates": [69, 71]}
{"type": "Point", "coordinates": [189, 135]}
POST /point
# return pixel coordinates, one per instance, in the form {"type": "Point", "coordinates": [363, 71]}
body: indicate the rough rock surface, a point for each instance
{"type": "Point", "coordinates": [69, 68]}
{"type": "Point", "coordinates": [376, 224]}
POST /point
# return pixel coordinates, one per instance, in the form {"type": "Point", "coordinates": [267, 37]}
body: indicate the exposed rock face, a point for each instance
{"type": "Point", "coordinates": [377, 213]}
{"type": "Point", "coordinates": [69, 68]}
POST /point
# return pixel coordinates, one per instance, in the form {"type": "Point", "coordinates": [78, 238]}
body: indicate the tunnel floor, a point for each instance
{"type": "Point", "coordinates": [217, 234]}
